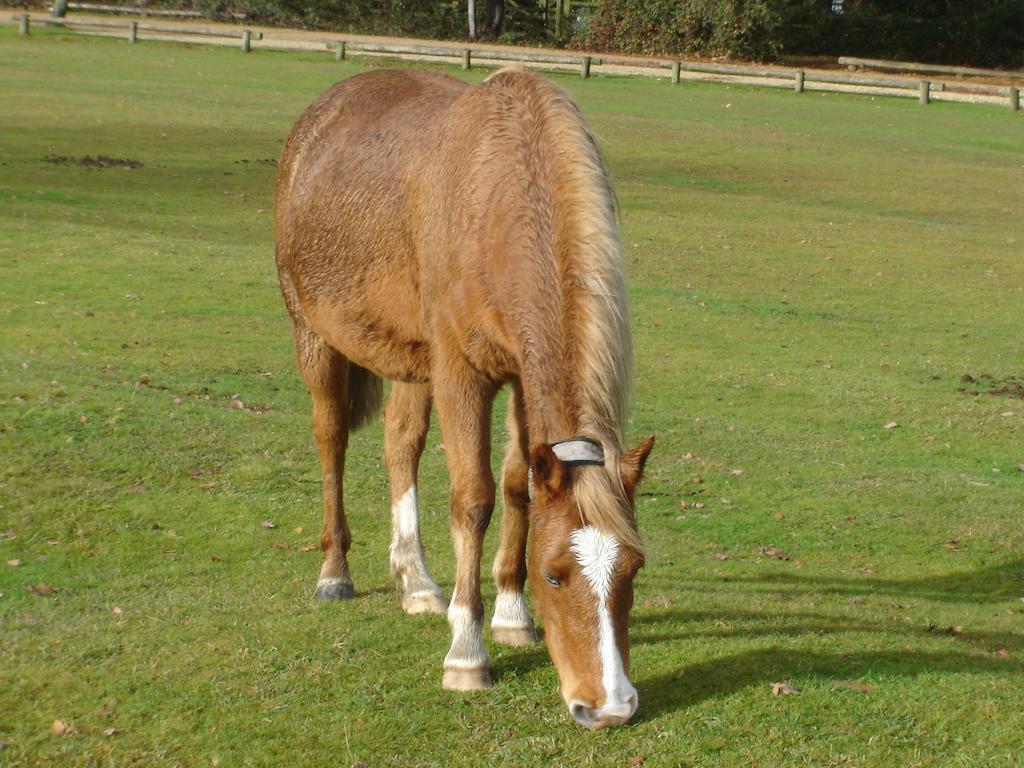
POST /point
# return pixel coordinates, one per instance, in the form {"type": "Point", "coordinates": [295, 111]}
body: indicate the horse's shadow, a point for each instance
{"type": "Point", "coordinates": [690, 684]}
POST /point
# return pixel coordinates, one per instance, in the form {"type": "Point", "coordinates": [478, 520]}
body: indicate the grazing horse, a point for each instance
{"type": "Point", "coordinates": [455, 239]}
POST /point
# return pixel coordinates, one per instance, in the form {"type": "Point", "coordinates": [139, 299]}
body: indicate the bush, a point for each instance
{"type": "Point", "coordinates": [738, 28]}
{"type": "Point", "coordinates": [987, 33]}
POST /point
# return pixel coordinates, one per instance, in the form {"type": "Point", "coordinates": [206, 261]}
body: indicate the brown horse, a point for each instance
{"type": "Point", "coordinates": [454, 239]}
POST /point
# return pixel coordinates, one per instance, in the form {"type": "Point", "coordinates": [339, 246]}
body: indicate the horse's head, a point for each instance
{"type": "Point", "coordinates": [583, 555]}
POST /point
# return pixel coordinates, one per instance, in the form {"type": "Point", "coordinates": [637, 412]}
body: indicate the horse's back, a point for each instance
{"type": "Point", "coordinates": [344, 248]}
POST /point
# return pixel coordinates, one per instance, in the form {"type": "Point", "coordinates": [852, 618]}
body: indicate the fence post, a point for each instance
{"type": "Point", "coordinates": [133, 32]}
{"type": "Point", "coordinates": [59, 9]}
{"type": "Point", "coordinates": [23, 26]}
{"type": "Point", "coordinates": [585, 69]}
{"type": "Point", "coordinates": [246, 41]}
{"type": "Point", "coordinates": [466, 56]}
{"type": "Point", "coordinates": [798, 84]}
{"type": "Point", "coordinates": [1014, 99]}
{"type": "Point", "coordinates": [675, 73]}
{"type": "Point", "coordinates": [925, 95]}
{"type": "Point", "coordinates": [339, 53]}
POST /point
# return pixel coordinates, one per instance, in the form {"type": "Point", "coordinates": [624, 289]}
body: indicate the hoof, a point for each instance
{"type": "Point", "coordinates": [466, 678]}
{"type": "Point", "coordinates": [424, 602]}
{"type": "Point", "coordinates": [334, 589]}
{"type": "Point", "coordinates": [514, 635]}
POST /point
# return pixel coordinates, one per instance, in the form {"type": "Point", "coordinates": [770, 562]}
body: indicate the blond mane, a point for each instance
{"type": "Point", "coordinates": [595, 312]}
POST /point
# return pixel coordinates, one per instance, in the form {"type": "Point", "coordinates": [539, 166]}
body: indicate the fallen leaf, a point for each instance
{"type": "Point", "coordinates": [14, 563]}
{"type": "Point", "coordinates": [280, 545]}
{"type": "Point", "coordinates": [850, 518]}
{"type": "Point", "coordinates": [297, 530]}
{"type": "Point", "coordinates": [854, 685]}
{"type": "Point", "coordinates": [683, 504]}
{"type": "Point", "coordinates": [195, 472]}
{"type": "Point", "coordinates": [214, 558]}
{"type": "Point", "coordinates": [891, 425]}
{"type": "Point", "coordinates": [111, 731]}
{"type": "Point", "coordinates": [784, 689]}
{"type": "Point", "coordinates": [1002, 653]}
{"type": "Point", "coordinates": [635, 761]}
{"type": "Point", "coordinates": [952, 543]}
{"type": "Point", "coordinates": [60, 728]}
{"type": "Point", "coordinates": [268, 524]}
{"type": "Point", "coordinates": [929, 438]}
{"type": "Point", "coordinates": [309, 548]}
{"type": "Point", "coordinates": [662, 602]}
{"type": "Point", "coordinates": [41, 589]}
{"type": "Point", "coordinates": [720, 556]}
{"type": "Point", "coordinates": [116, 611]}
{"type": "Point", "coordinates": [736, 472]}
{"type": "Point", "coordinates": [900, 606]}
{"type": "Point", "coordinates": [857, 600]}
{"type": "Point", "coordinates": [775, 552]}
{"type": "Point", "coordinates": [359, 764]}
{"type": "Point", "coordinates": [778, 515]}
{"type": "Point", "coordinates": [10, 534]}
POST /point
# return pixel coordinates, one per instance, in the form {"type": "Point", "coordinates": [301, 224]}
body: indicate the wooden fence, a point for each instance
{"type": "Point", "coordinates": [798, 80]}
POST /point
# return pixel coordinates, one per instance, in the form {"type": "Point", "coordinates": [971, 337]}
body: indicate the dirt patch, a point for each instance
{"type": "Point", "coordinates": [100, 161]}
{"type": "Point", "coordinates": [987, 384]}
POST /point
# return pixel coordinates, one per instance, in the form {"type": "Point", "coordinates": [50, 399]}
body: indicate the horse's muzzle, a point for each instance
{"type": "Point", "coordinates": [604, 717]}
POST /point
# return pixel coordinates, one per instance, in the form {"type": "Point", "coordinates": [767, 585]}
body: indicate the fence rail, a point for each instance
{"type": "Point", "coordinates": [777, 77]}
{"type": "Point", "coordinates": [59, 9]}
{"type": "Point", "coordinates": [158, 28]}
{"type": "Point", "coordinates": [938, 69]}
{"type": "Point", "coordinates": [468, 54]}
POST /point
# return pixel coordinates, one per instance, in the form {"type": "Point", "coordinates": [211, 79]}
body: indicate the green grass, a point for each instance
{"type": "Point", "coordinates": [804, 270]}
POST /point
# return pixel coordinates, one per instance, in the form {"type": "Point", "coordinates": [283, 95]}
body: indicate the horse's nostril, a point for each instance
{"type": "Point", "coordinates": [582, 714]}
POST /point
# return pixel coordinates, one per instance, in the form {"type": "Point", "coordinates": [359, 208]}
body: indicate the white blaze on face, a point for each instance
{"type": "Point", "coordinates": [597, 552]}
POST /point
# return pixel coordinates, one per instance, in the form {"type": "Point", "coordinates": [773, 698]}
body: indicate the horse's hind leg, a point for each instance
{"type": "Point", "coordinates": [406, 421]}
{"type": "Point", "coordinates": [511, 623]}
{"type": "Point", "coordinates": [325, 372]}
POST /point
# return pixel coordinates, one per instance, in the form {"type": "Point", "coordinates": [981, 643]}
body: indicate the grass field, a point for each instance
{"type": "Point", "coordinates": [805, 270]}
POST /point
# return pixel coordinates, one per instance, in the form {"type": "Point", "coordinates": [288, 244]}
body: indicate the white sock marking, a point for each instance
{"type": "Point", "coordinates": [467, 639]}
{"type": "Point", "coordinates": [405, 517]}
{"type": "Point", "coordinates": [510, 610]}
{"type": "Point", "coordinates": [597, 552]}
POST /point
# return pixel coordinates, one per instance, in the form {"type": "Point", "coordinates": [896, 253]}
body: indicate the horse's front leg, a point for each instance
{"type": "Point", "coordinates": [464, 409]}
{"type": "Point", "coordinates": [511, 623]}
{"type": "Point", "coordinates": [406, 421]}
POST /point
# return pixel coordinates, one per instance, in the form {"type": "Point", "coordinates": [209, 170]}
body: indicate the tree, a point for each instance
{"type": "Point", "coordinates": [490, 26]}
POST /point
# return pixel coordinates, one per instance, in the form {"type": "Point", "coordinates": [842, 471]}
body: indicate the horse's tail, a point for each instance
{"type": "Point", "coordinates": [365, 396]}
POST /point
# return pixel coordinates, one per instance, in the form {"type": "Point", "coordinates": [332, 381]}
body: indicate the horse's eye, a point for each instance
{"type": "Point", "coordinates": [552, 580]}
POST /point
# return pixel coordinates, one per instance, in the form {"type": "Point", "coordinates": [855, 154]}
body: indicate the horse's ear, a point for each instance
{"type": "Point", "coordinates": [631, 463]}
{"type": "Point", "coordinates": [549, 475]}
